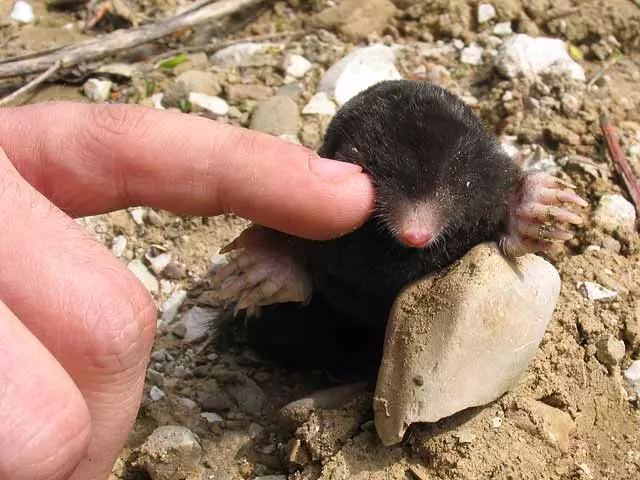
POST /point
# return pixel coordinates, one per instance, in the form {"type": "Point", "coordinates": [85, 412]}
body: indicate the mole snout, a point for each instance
{"type": "Point", "coordinates": [416, 237]}
{"type": "Point", "coordinates": [416, 223]}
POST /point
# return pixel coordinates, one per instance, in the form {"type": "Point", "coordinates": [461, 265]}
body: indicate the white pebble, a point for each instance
{"type": "Point", "coordinates": [22, 12]}
{"type": "Point", "coordinates": [496, 422]}
{"type": "Point", "coordinates": [632, 374]}
{"type": "Point", "coordinates": [143, 274]}
{"type": "Point", "coordinates": [119, 245]}
{"type": "Point", "coordinates": [156, 99]}
{"type": "Point", "coordinates": [249, 54]}
{"type": "Point", "coordinates": [138, 214]}
{"type": "Point", "coordinates": [172, 304]}
{"type": "Point", "coordinates": [210, 103]}
{"type": "Point", "coordinates": [97, 90]}
{"type": "Point", "coordinates": [156, 394]}
{"type": "Point", "coordinates": [472, 55]}
{"type": "Point", "coordinates": [486, 12]}
{"type": "Point", "coordinates": [594, 291]}
{"type": "Point", "coordinates": [358, 71]}
{"type": "Point", "coordinates": [296, 65]}
{"type": "Point", "coordinates": [212, 417]}
{"type": "Point", "coordinates": [503, 29]}
{"type": "Point", "coordinates": [531, 56]}
{"type": "Point", "coordinates": [458, 44]}
{"type": "Point", "coordinates": [614, 212]}
{"type": "Point", "coordinates": [320, 104]}
{"type": "Point", "coordinates": [159, 262]}
{"type": "Point", "coordinates": [507, 96]}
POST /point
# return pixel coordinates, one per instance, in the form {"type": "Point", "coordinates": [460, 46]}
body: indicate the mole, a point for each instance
{"type": "Point", "coordinates": [443, 185]}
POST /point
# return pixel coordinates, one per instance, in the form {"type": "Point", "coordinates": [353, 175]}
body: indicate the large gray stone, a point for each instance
{"type": "Point", "coordinates": [462, 338]}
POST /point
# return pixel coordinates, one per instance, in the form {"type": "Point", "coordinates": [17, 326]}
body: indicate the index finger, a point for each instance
{"type": "Point", "coordinates": [91, 159]}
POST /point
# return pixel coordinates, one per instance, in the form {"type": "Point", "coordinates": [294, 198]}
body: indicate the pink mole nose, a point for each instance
{"type": "Point", "coordinates": [415, 237]}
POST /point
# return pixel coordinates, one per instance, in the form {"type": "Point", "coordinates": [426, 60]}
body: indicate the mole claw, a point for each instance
{"type": "Point", "coordinates": [261, 270]}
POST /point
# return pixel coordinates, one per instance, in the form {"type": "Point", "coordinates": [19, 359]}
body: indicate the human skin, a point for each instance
{"type": "Point", "coordinates": [76, 327]}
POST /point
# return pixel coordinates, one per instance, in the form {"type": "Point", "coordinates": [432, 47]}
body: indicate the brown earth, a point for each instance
{"type": "Point", "coordinates": [569, 418]}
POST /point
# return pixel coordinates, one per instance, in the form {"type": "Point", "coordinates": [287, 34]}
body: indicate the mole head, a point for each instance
{"type": "Point", "coordinates": [428, 194]}
{"type": "Point", "coordinates": [437, 172]}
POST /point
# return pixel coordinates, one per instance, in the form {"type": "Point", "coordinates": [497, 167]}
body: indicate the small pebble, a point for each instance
{"type": "Point", "coordinates": [159, 262]}
{"type": "Point", "coordinates": [632, 375]}
{"type": "Point", "coordinates": [143, 274]}
{"type": "Point", "coordinates": [594, 291]}
{"type": "Point", "coordinates": [119, 245]}
{"type": "Point", "coordinates": [156, 394]}
{"type": "Point", "coordinates": [486, 12]}
{"type": "Point", "coordinates": [296, 65]}
{"type": "Point", "coordinates": [188, 404]}
{"type": "Point", "coordinates": [215, 105]}
{"type": "Point", "coordinates": [138, 214]}
{"type": "Point", "coordinates": [159, 355]}
{"type": "Point", "coordinates": [472, 55]}
{"type": "Point", "coordinates": [496, 422]}
{"type": "Point", "coordinates": [614, 213]}
{"type": "Point", "coordinates": [154, 376]}
{"type": "Point", "coordinates": [97, 90]}
{"type": "Point", "coordinates": [255, 430]}
{"type": "Point", "coordinates": [22, 12]}
{"type": "Point", "coordinates": [610, 351]}
{"type": "Point", "coordinates": [503, 29]}
{"type": "Point", "coordinates": [212, 417]}
{"type": "Point", "coordinates": [320, 104]}
{"type": "Point", "coordinates": [171, 306]}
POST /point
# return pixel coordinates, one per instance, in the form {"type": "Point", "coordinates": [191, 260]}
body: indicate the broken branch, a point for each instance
{"type": "Point", "coordinates": [620, 161]}
{"type": "Point", "coordinates": [31, 85]}
{"type": "Point", "coordinates": [91, 50]}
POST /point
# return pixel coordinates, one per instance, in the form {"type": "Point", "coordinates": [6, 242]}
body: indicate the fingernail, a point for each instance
{"type": "Point", "coordinates": [332, 170]}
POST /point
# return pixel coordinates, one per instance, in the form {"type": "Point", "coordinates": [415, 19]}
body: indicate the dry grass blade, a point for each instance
{"type": "Point", "coordinates": [91, 50]}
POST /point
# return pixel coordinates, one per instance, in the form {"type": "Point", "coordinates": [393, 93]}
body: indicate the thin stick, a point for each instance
{"type": "Point", "coordinates": [622, 165]}
{"type": "Point", "coordinates": [214, 47]}
{"type": "Point", "coordinates": [31, 85]}
{"type": "Point", "coordinates": [91, 50]}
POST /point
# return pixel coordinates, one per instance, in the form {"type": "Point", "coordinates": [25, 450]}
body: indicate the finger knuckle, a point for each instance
{"type": "Point", "coordinates": [120, 325]}
{"type": "Point", "coordinates": [108, 121]}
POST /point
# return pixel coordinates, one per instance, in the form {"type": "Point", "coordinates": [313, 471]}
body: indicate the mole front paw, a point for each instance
{"type": "Point", "coordinates": [262, 270]}
{"type": "Point", "coordinates": [537, 214]}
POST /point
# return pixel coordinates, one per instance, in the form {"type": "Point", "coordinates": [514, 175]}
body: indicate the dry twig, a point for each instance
{"type": "Point", "coordinates": [31, 85]}
{"type": "Point", "coordinates": [621, 163]}
{"type": "Point", "coordinates": [219, 45]}
{"type": "Point", "coordinates": [91, 50]}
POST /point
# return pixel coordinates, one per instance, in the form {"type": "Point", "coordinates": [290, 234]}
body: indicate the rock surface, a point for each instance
{"type": "Point", "coordinates": [249, 54]}
{"type": "Point", "coordinates": [465, 337]}
{"type": "Point", "coordinates": [356, 19]}
{"type": "Point", "coordinates": [529, 56]}
{"type": "Point", "coordinates": [189, 82]}
{"type": "Point", "coordinates": [614, 213]}
{"type": "Point", "coordinates": [359, 70]}
{"type": "Point", "coordinates": [609, 351]}
{"type": "Point", "coordinates": [170, 453]}
{"type": "Point", "coordinates": [277, 115]}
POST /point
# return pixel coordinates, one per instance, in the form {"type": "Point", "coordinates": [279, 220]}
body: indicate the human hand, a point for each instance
{"type": "Point", "coordinates": [76, 327]}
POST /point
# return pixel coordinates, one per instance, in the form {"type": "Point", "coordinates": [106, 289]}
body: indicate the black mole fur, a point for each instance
{"type": "Point", "coordinates": [416, 141]}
